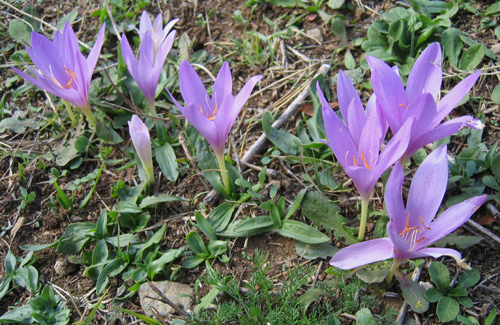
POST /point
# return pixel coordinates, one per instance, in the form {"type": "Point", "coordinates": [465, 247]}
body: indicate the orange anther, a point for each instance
{"type": "Point", "coordinates": [72, 75]}
{"type": "Point", "coordinates": [423, 224]}
{"type": "Point", "coordinates": [364, 159]}
{"type": "Point", "coordinates": [404, 106]}
{"type": "Point", "coordinates": [408, 228]}
{"type": "Point", "coordinates": [213, 113]}
{"type": "Point", "coordinates": [201, 109]}
{"type": "Point", "coordinates": [355, 161]}
{"type": "Point", "coordinates": [419, 240]}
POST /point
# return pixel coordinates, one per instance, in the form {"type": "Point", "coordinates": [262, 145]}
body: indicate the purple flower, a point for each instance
{"type": "Point", "coordinates": [356, 144]}
{"type": "Point", "coordinates": [140, 137]}
{"type": "Point", "coordinates": [155, 45]}
{"type": "Point", "coordinates": [62, 69]}
{"type": "Point", "coordinates": [419, 99]}
{"type": "Point", "coordinates": [212, 116]}
{"type": "Point", "coordinates": [413, 227]}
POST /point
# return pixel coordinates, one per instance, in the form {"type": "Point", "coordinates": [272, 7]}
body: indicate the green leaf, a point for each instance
{"type": "Point", "coordinates": [275, 215]}
{"type": "Point", "coordinates": [286, 142]}
{"type": "Point", "coordinates": [335, 4]}
{"type": "Point", "coordinates": [141, 317]}
{"type": "Point", "coordinates": [192, 261]}
{"type": "Point", "coordinates": [209, 166]}
{"type": "Point", "coordinates": [372, 274]}
{"type": "Point", "coordinates": [495, 166]}
{"type": "Point", "coordinates": [413, 294]}
{"type": "Point", "coordinates": [9, 263]}
{"type": "Point", "coordinates": [491, 317]}
{"type": "Point", "coordinates": [495, 94]}
{"type": "Point", "coordinates": [302, 232]}
{"type": "Point", "coordinates": [314, 251]}
{"type": "Point", "coordinates": [447, 309]}
{"type": "Point", "coordinates": [217, 247]}
{"type": "Point", "coordinates": [127, 207]}
{"type": "Point", "coordinates": [468, 278]}
{"type": "Point", "coordinates": [62, 198]}
{"type": "Point", "coordinates": [472, 57]}
{"type": "Point", "coordinates": [493, 9]}
{"type": "Point", "coordinates": [440, 276]}
{"type": "Point", "coordinates": [497, 33]}
{"type": "Point", "coordinates": [338, 28]}
{"type": "Point", "coordinates": [19, 31]}
{"type": "Point", "coordinates": [221, 216]}
{"type": "Point", "coordinates": [152, 200]}
{"type": "Point", "coordinates": [432, 295]}
{"type": "Point", "coordinates": [320, 210]}
{"type": "Point", "coordinates": [249, 227]}
{"type": "Point", "coordinates": [75, 237]}
{"type": "Point", "coordinates": [19, 315]}
{"type": "Point", "coordinates": [460, 242]}
{"type": "Point", "coordinates": [70, 17]}
{"type": "Point", "coordinates": [89, 196]}
{"type": "Point", "coordinates": [296, 204]}
{"type": "Point", "coordinates": [452, 44]}
{"type": "Point", "coordinates": [165, 156]}
{"type": "Point", "coordinates": [158, 264]}
{"type": "Point", "coordinates": [196, 243]}
{"type": "Point", "coordinates": [349, 61]}
{"type": "Point", "coordinates": [205, 226]}
{"type": "Point", "coordinates": [364, 317]}
{"type": "Point", "coordinates": [123, 240]}
{"type": "Point", "coordinates": [101, 229]}
{"type": "Point", "coordinates": [81, 144]}
{"type": "Point", "coordinates": [310, 296]}
{"type": "Point", "coordinates": [458, 292]}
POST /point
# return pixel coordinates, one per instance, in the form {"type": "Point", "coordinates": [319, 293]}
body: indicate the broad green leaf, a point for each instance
{"type": "Point", "coordinates": [9, 263]}
{"type": "Point", "coordinates": [122, 240]}
{"type": "Point", "coordinates": [196, 243]}
{"type": "Point", "coordinates": [495, 166]}
{"type": "Point", "coordinates": [349, 61]}
{"type": "Point", "coordinates": [141, 317]}
{"type": "Point", "coordinates": [158, 264]}
{"type": "Point", "coordinates": [413, 294]}
{"type": "Point", "coordinates": [314, 251]}
{"type": "Point", "coordinates": [217, 247]}
{"type": "Point", "coordinates": [432, 295]}
{"type": "Point", "coordinates": [472, 57]}
{"type": "Point", "coordinates": [495, 94]}
{"type": "Point", "coordinates": [152, 200]}
{"type": "Point", "coordinates": [310, 296]}
{"type": "Point", "coordinates": [302, 232]}
{"type": "Point", "coordinates": [364, 317]}
{"type": "Point", "coordinates": [296, 204]}
{"type": "Point", "coordinates": [371, 274]}
{"type": "Point", "coordinates": [69, 17]}
{"type": "Point", "coordinates": [165, 156]}
{"type": "Point", "coordinates": [460, 242]}
{"type": "Point", "coordinates": [209, 166]}
{"type": "Point", "coordinates": [207, 300]}
{"type": "Point", "coordinates": [127, 207]}
{"type": "Point", "coordinates": [248, 227]}
{"type": "Point", "coordinates": [320, 210]}
{"type": "Point", "coordinates": [440, 276]}
{"type": "Point", "coordinates": [275, 215]}
{"type": "Point", "coordinates": [491, 317]}
{"type": "Point", "coordinates": [447, 309]}
{"type": "Point", "coordinates": [468, 278]}
{"type": "Point", "coordinates": [18, 315]}
{"type": "Point", "coordinates": [283, 140]}
{"type": "Point", "coordinates": [490, 181]}
{"type": "Point", "coordinates": [452, 44]}
{"type": "Point", "coordinates": [335, 4]}
{"type": "Point", "coordinates": [205, 226]}
{"type": "Point", "coordinates": [338, 28]}
{"type": "Point", "coordinates": [19, 31]}
{"type": "Point", "coordinates": [221, 216]}
{"type": "Point", "coordinates": [466, 301]}
{"type": "Point", "coordinates": [192, 261]}
{"type": "Point", "coordinates": [458, 292]}
{"type": "Point", "coordinates": [493, 9]}
{"type": "Point", "coordinates": [101, 229]}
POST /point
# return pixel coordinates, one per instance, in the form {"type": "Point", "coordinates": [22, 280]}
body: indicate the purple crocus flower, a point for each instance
{"type": "Point", "coordinates": [212, 116]}
{"type": "Point", "coordinates": [419, 99]}
{"type": "Point", "coordinates": [357, 143]}
{"type": "Point", "coordinates": [155, 45]}
{"type": "Point", "coordinates": [62, 69]}
{"type": "Point", "coordinates": [140, 137]}
{"type": "Point", "coordinates": [413, 227]}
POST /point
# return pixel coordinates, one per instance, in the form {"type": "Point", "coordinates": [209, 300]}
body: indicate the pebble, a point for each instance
{"type": "Point", "coordinates": [172, 290]}
{"type": "Point", "coordinates": [316, 34]}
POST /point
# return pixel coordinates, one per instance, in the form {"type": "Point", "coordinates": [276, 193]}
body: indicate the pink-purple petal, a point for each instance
{"type": "Point", "coordinates": [426, 75]}
{"type": "Point", "coordinates": [191, 86]}
{"type": "Point", "coordinates": [428, 187]}
{"type": "Point", "coordinates": [243, 95]}
{"type": "Point", "coordinates": [363, 253]}
{"type": "Point", "coordinates": [393, 197]}
{"type": "Point", "coordinates": [223, 85]}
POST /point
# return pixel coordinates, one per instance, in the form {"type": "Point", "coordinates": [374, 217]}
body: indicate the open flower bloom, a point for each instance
{"type": "Point", "coordinates": [413, 227]}
{"type": "Point", "coordinates": [155, 45]}
{"type": "Point", "coordinates": [212, 116]}
{"type": "Point", "coordinates": [356, 144]}
{"type": "Point", "coordinates": [420, 99]}
{"type": "Point", "coordinates": [62, 69]}
{"type": "Point", "coordinates": [140, 137]}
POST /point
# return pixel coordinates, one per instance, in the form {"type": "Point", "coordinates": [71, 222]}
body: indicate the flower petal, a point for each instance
{"type": "Point", "coordinates": [389, 90]}
{"type": "Point", "coordinates": [350, 105]}
{"type": "Point", "coordinates": [393, 198]}
{"type": "Point", "coordinates": [438, 252]}
{"type": "Point", "coordinates": [96, 49]}
{"type": "Point", "coordinates": [339, 138]}
{"type": "Point", "coordinates": [451, 219]}
{"type": "Point", "coordinates": [428, 187]}
{"type": "Point", "coordinates": [426, 75]}
{"type": "Point", "coordinates": [364, 179]}
{"type": "Point", "coordinates": [129, 57]}
{"type": "Point", "coordinates": [363, 253]}
{"type": "Point", "coordinates": [423, 110]}
{"type": "Point", "coordinates": [242, 97]}
{"type": "Point", "coordinates": [395, 148]}
{"type": "Point", "coordinates": [223, 85]}
{"type": "Point", "coordinates": [448, 102]}
{"type": "Point", "coordinates": [191, 86]}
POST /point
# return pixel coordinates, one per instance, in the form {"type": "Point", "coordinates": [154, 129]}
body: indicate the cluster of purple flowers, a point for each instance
{"type": "Point", "coordinates": [414, 116]}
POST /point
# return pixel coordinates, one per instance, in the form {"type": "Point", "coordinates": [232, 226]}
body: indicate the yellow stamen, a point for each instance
{"type": "Point", "coordinates": [404, 106]}
{"type": "Point", "coordinates": [57, 82]}
{"type": "Point", "coordinates": [355, 161]}
{"type": "Point", "coordinates": [423, 224]}
{"type": "Point", "coordinates": [201, 109]}
{"type": "Point", "coordinates": [72, 75]}
{"type": "Point", "coordinates": [419, 240]}
{"type": "Point", "coordinates": [408, 228]}
{"type": "Point", "coordinates": [364, 159]}
{"type": "Point", "coordinates": [213, 113]}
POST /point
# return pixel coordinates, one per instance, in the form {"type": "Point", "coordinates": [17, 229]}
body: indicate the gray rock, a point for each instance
{"type": "Point", "coordinates": [316, 34]}
{"type": "Point", "coordinates": [171, 290]}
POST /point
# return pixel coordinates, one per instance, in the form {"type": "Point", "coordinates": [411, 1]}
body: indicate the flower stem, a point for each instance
{"type": "Point", "coordinates": [150, 174]}
{"type": "Point", "coordinates": [152, 108]}
{"type": "Point", "coordinates": [394, 266]}
{"type": "Point", "coordinates": [70, 112]}
{"type": "Point", "coordinates": [223, 171]}
{"type": "Point", "coordinates": [364, 217]}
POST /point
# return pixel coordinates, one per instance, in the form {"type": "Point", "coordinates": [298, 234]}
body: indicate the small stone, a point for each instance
{"type": "Point", "coordinates": [316, 34]}
{"type": "Point", "coordinates": [496, 49]}
{"type": "Point", "coordinates": [62, 267]}
{"type": "Point", "coordinates": [178, 293]}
